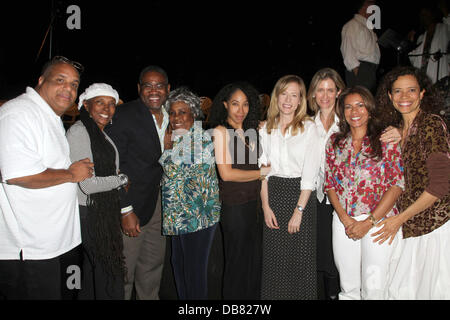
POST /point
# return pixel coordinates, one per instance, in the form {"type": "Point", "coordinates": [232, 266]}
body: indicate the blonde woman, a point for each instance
{"type": "Point", "coordinates": [289, 140]}
{"type": "Point", "coordinates": [324, 89]}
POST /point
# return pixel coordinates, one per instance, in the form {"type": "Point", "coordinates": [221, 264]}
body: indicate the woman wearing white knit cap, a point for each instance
{"type": "Point", "coordinates": [99, 197]}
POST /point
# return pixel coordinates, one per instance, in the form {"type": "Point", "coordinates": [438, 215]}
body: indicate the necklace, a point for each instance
{"type": "Point", "coordinates": [241, 136]}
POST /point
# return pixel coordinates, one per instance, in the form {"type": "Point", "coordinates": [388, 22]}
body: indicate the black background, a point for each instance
{"type": "Point", "coordinates": [203, 45]}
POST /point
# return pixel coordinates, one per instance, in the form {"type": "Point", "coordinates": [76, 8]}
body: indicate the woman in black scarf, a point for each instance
{"type": "Point", "coordinates": [99, 196]}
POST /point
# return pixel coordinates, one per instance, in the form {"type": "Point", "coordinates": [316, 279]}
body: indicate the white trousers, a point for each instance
{"type": "Point", "coordinates": [363, 265]}
{"type": "Point", "coordinates": [421, 267]}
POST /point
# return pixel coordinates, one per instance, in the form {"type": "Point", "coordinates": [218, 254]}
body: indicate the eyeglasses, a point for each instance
{"type": "Point", "coordinates": [154, 86]}
{"type": "Point", "coordinates": [74, 64]}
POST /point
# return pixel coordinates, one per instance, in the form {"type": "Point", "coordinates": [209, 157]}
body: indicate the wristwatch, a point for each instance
{"type": "Point", "coordinates": [123, 178]}
{"type": "Point", "coordinates": [300, 208]}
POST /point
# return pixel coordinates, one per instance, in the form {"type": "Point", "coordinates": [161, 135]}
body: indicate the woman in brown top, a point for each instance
{"type": "Point", "coordinates": [235, 114]}
{"type": "Point", "coordinates": [421, 266]}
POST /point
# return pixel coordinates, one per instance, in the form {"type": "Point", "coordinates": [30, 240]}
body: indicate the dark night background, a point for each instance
{"type": "Point", "coordinates": [203, 45]}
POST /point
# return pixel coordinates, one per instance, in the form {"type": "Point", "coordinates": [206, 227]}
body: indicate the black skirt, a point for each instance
{"type": "Point", "coordinates": [289, 261]}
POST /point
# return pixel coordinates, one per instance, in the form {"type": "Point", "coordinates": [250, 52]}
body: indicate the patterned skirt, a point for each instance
{"type": "Point", "coordinates": [289, 261]}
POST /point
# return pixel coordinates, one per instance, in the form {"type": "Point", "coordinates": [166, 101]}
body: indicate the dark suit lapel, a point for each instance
{"type": "Point", "coordinates": [146, 118]}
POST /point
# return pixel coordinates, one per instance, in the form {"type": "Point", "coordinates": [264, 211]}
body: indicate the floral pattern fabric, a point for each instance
{"type": "Point", "coordinates": [360, 181]}
{"type": "Point", "coordinates": [190, 189]}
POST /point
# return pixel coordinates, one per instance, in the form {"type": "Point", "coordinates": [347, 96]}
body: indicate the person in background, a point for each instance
{"type": "Point", "coordinates": [444, 7]}
{"type": "Point", "coordinates": [363, 179]}
{"type": "Point", "coordinates": [98, 197]}
{"type": "Point", "coordinates": [39, 217]}
{"type": "Point", "coordinates": [138, 132]}
{"type": "Point", "coordinates": [290, 144]}
{"type": "Point", "coordinates": [234, 115]}
{"type": "Point", "coordinates": [359, 48]}
{"type": "Point", "coordinates": [324, 89]}
{"type": "Point", "coordinates": [430, 54]}
{"type": "Point", "coordinates": [420, 267]}
{"type": "Point", "coordinates": [190, 194]}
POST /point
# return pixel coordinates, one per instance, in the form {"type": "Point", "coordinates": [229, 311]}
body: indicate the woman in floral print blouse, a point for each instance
{"type": "Point", "coordinates": [363, 179]}
{"type": "Point", "coordinates": [190, 194]}
{"type": "Point", "coordinates": [421, 265]}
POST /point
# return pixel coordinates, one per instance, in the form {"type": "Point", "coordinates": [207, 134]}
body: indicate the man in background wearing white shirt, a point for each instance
{"type": "Point", "coordinates": [39, 218]}
{"type": "Point", "coordinates": [432, 45]}
{"type": "Point", "coordinates": [360, 49]}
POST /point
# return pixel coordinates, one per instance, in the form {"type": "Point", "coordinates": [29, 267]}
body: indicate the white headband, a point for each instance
{"type": "Point", "coordinates": [98, 89]}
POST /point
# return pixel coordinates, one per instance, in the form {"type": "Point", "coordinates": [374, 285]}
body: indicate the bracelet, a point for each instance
{"type": "Point", "coordinates": [126, 210]}
{"type": "Point", "coordinates": [262, 177]}
{"type": "Point", "coordinates": [123, 178]}
{"type": "Point", "coordinates": [372, 218]}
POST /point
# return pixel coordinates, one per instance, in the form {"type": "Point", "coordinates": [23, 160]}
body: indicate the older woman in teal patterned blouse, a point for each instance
{"type": "Point", "coordinates": [190, 194]}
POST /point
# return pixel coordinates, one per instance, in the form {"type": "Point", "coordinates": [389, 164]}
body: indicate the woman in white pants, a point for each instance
{"type": "Point", "coordinates": [363, 179]}
{"type": "Point", "coordinates": [420, 268]}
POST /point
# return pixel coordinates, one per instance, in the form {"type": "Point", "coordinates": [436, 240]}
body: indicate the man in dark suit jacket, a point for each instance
{"type": "Point", "coordinates": [138, 132]}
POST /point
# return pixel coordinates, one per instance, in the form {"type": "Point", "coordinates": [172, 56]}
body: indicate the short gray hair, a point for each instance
{"type": "Point", "coordinates": [183, 94]}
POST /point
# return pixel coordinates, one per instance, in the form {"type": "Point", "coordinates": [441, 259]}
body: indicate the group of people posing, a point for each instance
{"type": "Point", "coordinates": [353, 202]}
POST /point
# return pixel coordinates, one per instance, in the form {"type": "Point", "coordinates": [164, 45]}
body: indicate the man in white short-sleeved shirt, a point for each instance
{"type": "Point", "coordinates": [359, 48]}
{"type": "Point", "coordinates": [39, 218]}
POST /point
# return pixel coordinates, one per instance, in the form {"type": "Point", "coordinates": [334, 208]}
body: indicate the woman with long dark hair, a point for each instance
{"type": "Point", "coordinates": [363, 179]}
{"type": "Point", "coordinates": [235, 118]}
{"type": "Point", "coordinates": [99, 196]}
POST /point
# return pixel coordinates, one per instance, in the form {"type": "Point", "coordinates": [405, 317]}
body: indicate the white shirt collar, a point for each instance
{"type": "Point", "coordinates": [165, 114]}
{"type": "Point", "coordinates": [360, 18]}
{"type": "Point", "coordinates": [288, 132]}
{"type": "Point", "coordinates": [36, 97]}
{"type": "Point", "coordinates": [319, 122]}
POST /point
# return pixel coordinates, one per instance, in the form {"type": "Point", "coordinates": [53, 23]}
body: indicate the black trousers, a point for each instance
{"type": "Point", "coordinates": [52, 279]}
{"type": "Point", "coordinates": [367, 76]}
{"type": "Point", "coordinates": [327, 273]}
{"type": "Point", "coordinates": [190, 254]}
{"type": "Point", "coordinates": [242, 240]}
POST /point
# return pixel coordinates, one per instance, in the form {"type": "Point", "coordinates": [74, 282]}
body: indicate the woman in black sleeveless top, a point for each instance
{"type": "Point", "coordinates": [235, 114]}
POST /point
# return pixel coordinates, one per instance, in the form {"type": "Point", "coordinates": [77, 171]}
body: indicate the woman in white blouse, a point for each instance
{"type": "Point", "coordinates": [324, 89]}
{"type": "Point", "coordinates": [290, 145]}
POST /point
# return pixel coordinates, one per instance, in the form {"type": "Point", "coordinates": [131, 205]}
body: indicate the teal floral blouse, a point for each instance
{"type": "Point", "coordinates": [190, 189]}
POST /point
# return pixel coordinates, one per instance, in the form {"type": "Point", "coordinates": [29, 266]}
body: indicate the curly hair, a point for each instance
{"type": "Point", "coordinates": [218, 114]}
{"type": "Point", "coordinates": [185, 95]}
{"type": "Point", "coordinates": [375, 125]}
{"type": "Point", "coordinates": [431, 102]}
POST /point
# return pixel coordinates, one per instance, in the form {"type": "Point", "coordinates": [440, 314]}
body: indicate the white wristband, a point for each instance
{"type": "Point", "coordinates": [126, 210]}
